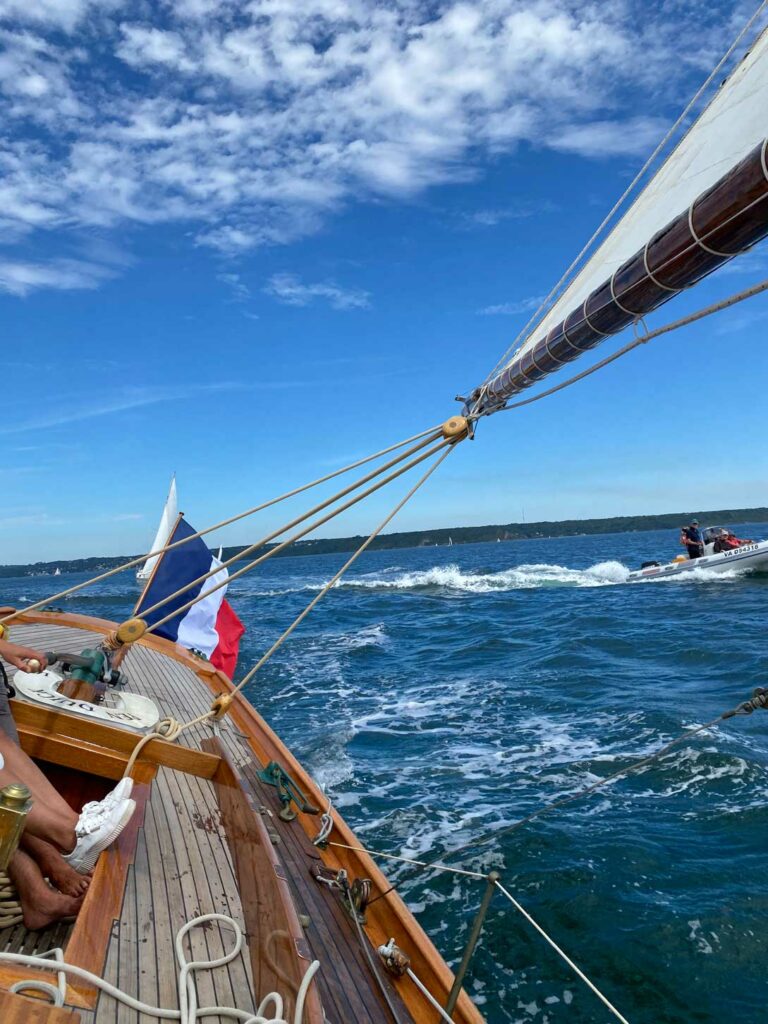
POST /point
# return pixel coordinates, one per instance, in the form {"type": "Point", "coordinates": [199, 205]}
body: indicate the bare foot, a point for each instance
{"type": "Point", "coordinates": [67, 880]}
{"type": "Point", "coordinates": [62, 876]}
{"type": "Point", "coordinates": [53, 866]}
{"type": "Point", "coordinates": [49, 906]}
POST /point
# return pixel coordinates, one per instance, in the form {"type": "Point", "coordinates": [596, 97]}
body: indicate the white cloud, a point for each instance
{"type": "Point", "coordinates": [635, 137]}
{"type": "Point", "coordinates": [527, 305]}
{"type": "Point", "coordinates": [121, 401]}
{"type": "Point", "coordinates": [63, 14]}
{"type": "Point", "coordinates": [491, 217]}
{"type": "Point", "coordinates": [288, 289]}
{"type": "Point", "coordinates": [239, 289]}
{"type": "Point", "coordinates": [253, 129]}
{"type": "Point", "coordinates": [20, 278]}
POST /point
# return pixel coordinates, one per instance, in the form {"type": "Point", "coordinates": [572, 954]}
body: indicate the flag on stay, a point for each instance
{"type": "Point", "coordinates": [210, 625]}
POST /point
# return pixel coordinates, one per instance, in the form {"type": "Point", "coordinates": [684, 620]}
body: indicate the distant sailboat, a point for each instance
{"type": "Point", "coordinates": [450, 542]}
{"type": "Point", "coordinates": [167, 520]}
{"type": "Point", "coordinates": [57, 571]}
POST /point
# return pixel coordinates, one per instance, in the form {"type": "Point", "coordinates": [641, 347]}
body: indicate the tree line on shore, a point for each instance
{"type": "Point", "coordinates": [438, 537]}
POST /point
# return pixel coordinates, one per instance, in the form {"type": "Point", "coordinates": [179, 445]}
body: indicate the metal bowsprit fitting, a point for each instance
{"type": "Point", "coordinates": [287, 791]}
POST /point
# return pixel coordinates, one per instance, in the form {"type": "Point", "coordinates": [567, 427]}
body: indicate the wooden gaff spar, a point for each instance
{"type": "Point", "coordinates": [727, 219]}
{"type": "Point", "coordinates": [715, 183]}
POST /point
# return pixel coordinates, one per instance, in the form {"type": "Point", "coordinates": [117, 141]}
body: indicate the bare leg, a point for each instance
{"type": "Point", "coordinates": [41, 905]}
{"type": "Point", "coordinates": [21, 768]}
{"type": "Point", "coordinates": [54, 867]}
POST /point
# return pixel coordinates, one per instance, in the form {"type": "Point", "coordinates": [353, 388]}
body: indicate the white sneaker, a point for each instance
{"type": "Point", "coordinates": [96, 833]}
{"type": "Point", "coordinates": [121, 792]}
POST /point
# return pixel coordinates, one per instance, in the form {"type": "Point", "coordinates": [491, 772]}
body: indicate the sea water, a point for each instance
{"type": "Point", "coordinates": [440, 694]}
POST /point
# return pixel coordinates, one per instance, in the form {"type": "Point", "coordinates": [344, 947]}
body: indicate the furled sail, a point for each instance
{"type": "Point", "coordinates": [706, 203]}
{"type": "Point", "coordinates": [167, 522]}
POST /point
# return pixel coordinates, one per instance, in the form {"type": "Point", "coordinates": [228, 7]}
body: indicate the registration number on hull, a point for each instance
{"type": "Point", "coordinates": [741, 550]}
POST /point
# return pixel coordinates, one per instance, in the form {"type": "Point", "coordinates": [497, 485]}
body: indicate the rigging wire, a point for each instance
{"type": "Point", "coordinates": [286, 526]}
{"type": "Point", "coordinates": [335, 579]}
{"type": "Point", "coordinates": [546, 303]}
{"type": "Point", "coordinates": [170, 729]}
{"type": "Point", "coordinates": [561, 953]}
{"type": "Point", "coordinates": [642, 339]}
{"type": "Point", "coordinates": [759, 700]}
{"type": "Point", "coordinates": [290, 540]}
{"type": "Point", "coordinates": [434, 431]}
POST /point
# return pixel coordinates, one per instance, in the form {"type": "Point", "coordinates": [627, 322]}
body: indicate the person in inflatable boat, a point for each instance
{"type": "Point", "coordinates": [691, 538]}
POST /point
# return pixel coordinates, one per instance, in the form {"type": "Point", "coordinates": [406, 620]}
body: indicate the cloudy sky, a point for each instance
{"type": "Point", "coordinates": [249, 241]}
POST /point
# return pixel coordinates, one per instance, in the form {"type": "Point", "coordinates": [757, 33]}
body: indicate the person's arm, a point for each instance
{"type": "Point", "coordinates": [20, 656]}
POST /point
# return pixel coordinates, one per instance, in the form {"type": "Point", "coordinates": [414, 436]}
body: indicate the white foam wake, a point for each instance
{"type": "Point", "coordinates": [522, 577]}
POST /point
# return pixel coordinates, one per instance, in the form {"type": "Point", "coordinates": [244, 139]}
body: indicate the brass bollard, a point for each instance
{"type": "Point", "coordinates": [15, 805]}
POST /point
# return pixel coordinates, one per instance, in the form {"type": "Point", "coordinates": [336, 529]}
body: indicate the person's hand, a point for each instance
{"type": "Point", "coordinates": [20, 657]}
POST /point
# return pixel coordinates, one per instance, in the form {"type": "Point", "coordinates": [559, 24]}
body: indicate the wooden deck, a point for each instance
{"type": "Point", "coordinates": [182, 867]}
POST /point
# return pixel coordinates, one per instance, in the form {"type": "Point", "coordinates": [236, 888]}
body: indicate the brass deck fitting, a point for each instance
{"type": "Point", "coordinates": [15, 805]}
{"type": "Point", "coordinates": [221, 705]}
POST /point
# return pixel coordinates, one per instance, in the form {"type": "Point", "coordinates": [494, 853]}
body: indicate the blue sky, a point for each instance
{"type": "Point", "coordinates": [248, 244]}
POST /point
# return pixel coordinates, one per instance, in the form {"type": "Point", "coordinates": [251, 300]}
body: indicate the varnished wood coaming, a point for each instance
{"type": "Point", "coordinates": [22, 1010]}
{"type": "Point", "coordinates": [387, 918]}
{"type": "Point", "coordinates": [73, 741]}
{"type": "Point", "coordinates": [350, 992]}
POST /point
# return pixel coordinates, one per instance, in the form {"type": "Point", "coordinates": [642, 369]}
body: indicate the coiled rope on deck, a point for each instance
{"type": "Point", "coordinates": [188, 1012]}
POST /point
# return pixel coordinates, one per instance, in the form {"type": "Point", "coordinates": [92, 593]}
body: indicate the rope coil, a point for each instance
{"type": "Point", "coordinates": [189, 1012]}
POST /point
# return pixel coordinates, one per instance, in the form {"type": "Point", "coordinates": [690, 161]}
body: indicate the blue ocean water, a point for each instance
{"type": "Point", "coordinates": [442, 693]}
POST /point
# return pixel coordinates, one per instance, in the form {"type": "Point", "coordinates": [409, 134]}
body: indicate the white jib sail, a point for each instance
{"type": "Point", "coordinates": [167, 519]}
{"type": "Point", "coordinates": [733, 123]}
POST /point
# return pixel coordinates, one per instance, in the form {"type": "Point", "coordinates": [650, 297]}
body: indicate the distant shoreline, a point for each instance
{"type": "Point", "coordinates": [440, 538]}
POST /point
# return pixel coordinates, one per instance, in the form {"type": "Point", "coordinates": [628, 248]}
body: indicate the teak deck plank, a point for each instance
{"type": "Point", "coordinates": [348, 978]}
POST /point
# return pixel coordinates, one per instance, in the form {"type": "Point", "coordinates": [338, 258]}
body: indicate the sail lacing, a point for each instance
{"type": "Point", "coordinates": [642, 339]}
{"type": "Point", "coordinates": [479, 408]}
{"type": "Point", "coordinates": [569, 272]}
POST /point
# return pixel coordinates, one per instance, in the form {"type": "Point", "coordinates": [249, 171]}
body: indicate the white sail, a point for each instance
{"type": "Point", "coordinates": [733, 123]}
{"type": "Point", "coordinates": [167, 520]}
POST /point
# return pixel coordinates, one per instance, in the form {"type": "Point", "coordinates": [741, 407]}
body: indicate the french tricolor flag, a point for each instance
{"type": "Point", "coordinates": [210, 625]}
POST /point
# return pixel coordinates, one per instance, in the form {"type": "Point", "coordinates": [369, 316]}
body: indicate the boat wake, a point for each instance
{"type": "Point", "coordinates": [522, 577]}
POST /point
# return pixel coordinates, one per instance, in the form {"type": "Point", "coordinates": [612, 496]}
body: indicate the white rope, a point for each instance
{"type": "Point", "coordinates": [545, 304]}
{"type": "Point", "coordinates": [326, 825]}
{"type": "Point", "coordinates": [189, 1012]}
{"type": "Point", "coordinates": [561, 953]}
{"type": "Point", "coordinates": [428, 996]}
{"type": "Point", "coordinates": [409, 860]}
{"type": "Point", "coordinates": [216, 526]}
